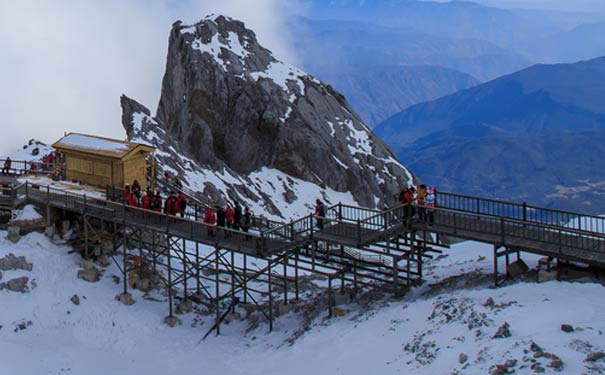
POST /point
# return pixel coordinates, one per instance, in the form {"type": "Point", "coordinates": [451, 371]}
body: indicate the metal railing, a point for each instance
{"type": "Point", "coordinates": [23, 167]}
{"type": "Point", "coordinates": [562, 241]}
{"type": "Point", "coordinates": [521, 211]}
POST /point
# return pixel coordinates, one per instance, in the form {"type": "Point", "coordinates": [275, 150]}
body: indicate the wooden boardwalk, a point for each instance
{"type": "Point", "coordinates": [548, 240]}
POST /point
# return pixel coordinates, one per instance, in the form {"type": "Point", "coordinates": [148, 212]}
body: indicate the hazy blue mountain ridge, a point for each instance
{"type": "Point", "coordinates": [536, 135]}
{"type": "Point", "coordinates": [378, 92]}
{"type": "Point", "coordinates": [336, 42]}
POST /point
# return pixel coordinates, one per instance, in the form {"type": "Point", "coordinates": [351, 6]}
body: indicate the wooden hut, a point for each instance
{"type": "Point", "coordinates": [103, 161]}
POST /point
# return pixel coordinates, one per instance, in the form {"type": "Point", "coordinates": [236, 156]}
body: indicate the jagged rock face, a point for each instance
{"type": "Point", "coordinates": [228, 103]}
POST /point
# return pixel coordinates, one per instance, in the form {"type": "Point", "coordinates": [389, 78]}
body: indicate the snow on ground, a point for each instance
{"type": "Point", "coordinates": [89, 191]}
{"type": "Point", "coordinates": [425, 332]}
{"type": "Point", "coordinates": [27, 213]}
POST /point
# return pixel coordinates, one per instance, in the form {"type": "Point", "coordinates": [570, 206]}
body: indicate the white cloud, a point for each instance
{"type": "Point", "coordinates": [65, 63]}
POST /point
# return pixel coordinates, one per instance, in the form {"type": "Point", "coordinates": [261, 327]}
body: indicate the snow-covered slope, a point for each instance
{"type": "Point", "coordinates": [443, 327]}
{"type": "Point", "coordinates": [32, 151]}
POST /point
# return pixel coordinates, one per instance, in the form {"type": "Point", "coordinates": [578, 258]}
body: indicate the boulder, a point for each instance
{"type": "Point", "coordinates": [12, 262]}
{"type": "Point", "coordinates": [502, 332]}
{"type": "Point", "coordinates": [144, 285]}
{"type": "Point", "coordinates": [172, 321]}
{"type": "Point", "coordinates": [462, 358]}
{"type": "Point", "coordinates": [566, 328]}
{"type": "Point", "coordinates": [91, 274]}
{"type": "Point", "coordinates": [75, 299]}
{"type": "Point", "coordinates": [184, 307]}
{"type": "Point", "coordinates": [517, 268]}
{"type": "Point", "coordinates": [125, 298]}
{"type": "Point", "coordinates": [14, 234]}
{"type": "Point", "coordinates": [594, 356]}
{"type": "Point", "coordinates": [544, 276]}
{"type": "Point", "coordinates": [18, 284]}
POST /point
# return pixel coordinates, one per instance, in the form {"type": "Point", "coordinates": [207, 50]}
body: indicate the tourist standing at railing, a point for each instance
{"type": "Point", "coordinates": [145, 201]}
{"type": "Point", "coordinates": [136, 189]}
{"type": "Point", "coordinates": [182, 203]}
{"type": "Point", "coordinates": [157, 202]}
{"type": "Point", "coordinates": [229, 216]}
{"type": "Point", "coordinates": [430, 205]}
{"type": "Point", "coordinates": [407, 198]}
{"type": "Point", "coordinates": [221, 218]}
{"type": "Point", "coordinates": [246, 222]}
{"type": "Point", "coordinates": [7, 166]}
{"type": "Point", "coordinates": [132, 200]}
{"type": "Point", "coordinates": [237, 218]}
{"type": "Point", "coordinates": [171, 205]}
{"type": "Point", "coordinates": [320, 213]}
{"type": "Point", "coordinates": [420, 201]}
{"type": "Point", "coordinates": [209, 220]}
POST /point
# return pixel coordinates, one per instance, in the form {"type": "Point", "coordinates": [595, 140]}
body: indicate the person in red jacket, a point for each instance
{"type": "Point", "coordinates": [145, 201]}
{"type": "Point", "coordinates": [157, 202]}
{"type": "Point", "coordinates": [209, 220]}
{"type": "Point", "coordinates": [229, 216]}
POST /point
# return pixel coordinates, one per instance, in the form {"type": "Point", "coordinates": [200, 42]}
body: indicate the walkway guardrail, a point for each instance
{"type": "Point", "coordinates": [23, 167]}
{"type": "Point", "coordinates": [521, 211]}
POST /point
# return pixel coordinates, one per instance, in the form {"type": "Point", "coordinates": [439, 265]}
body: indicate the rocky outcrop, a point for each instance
{"type": "Point", "coordinates": [228, 105]}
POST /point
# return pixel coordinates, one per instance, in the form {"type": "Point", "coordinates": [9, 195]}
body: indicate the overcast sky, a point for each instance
{"type": "Point", "coordinates": [65, 63]}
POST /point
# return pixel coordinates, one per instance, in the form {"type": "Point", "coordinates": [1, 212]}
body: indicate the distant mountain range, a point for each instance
{"type": "Point", "coordinates": [582, 42]}
{"type": "Point", "coordinates": [535, 135]}
{"type": "Point", "coordinates": [455, 19]}
{"type": "Point", "coordinates": [378, 92]}
{"type": "Point", "coordinates": [336, 42]}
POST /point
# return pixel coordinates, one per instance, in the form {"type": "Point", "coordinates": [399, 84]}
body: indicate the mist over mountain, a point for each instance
{"type": "Point", "coordinates": [337, 42]}
{"type": "Point", "coordinates": [378, 92]}
{"type": "Point", "coordinates": [582, 42]}
{"type": "Point", "coordinates": [536, 134]}
{"type": "Point", "coordinates": [458, 19]}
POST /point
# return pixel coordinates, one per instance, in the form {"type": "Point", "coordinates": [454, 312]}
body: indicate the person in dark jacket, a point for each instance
{"type": "Point", "coordinates": [237, 216]}
{"type": "Point", "coordinates": [7, 166]}
{"type": "Point", "coordinates": [182, 206]}
{"type": "Point", "coordinates": [221, 218]}
{"type": "Point", "coordinates": [320, 213]}
{"type": "Point", "coordinates": [246, 222]}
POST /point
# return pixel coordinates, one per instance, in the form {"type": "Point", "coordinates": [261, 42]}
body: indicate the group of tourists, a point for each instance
{"type": "Point", "coordinates": [175, 204]}
{"type": "Point", "coordinates": [422, 198]}
{"type": "Point", "coordinates": [227, 218]}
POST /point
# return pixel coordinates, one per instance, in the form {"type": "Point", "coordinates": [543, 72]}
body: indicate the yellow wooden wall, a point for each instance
{"type": "Point", "coordinates": [88, 169]}
{"type": "Point", "coordinates": [135, 168]}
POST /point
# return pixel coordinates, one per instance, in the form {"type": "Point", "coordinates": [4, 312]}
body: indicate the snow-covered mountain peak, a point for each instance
{"type": "Point", "coordinates": [229, 107]}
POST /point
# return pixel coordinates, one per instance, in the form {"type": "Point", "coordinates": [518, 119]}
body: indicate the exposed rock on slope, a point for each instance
{"type": "Point", "coordinates": [229, 107]}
